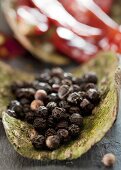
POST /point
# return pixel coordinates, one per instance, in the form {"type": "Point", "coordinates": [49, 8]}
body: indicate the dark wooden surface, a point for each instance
{"type": "Point", "coordinates": [10, 160]}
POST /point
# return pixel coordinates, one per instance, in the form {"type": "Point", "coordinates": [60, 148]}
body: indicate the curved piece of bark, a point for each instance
{"type": "Point", "coordinates": [31, 44]}
{"type": "Point", "coordinates": [95, 126]}
{"type": "Point", "coordinates": [7, 77]}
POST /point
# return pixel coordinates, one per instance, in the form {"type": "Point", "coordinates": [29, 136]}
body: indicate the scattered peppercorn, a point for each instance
{"type": "Point", "coordinates": [54, 104]}
{"type": "Point", "coordinates": [109, 159]}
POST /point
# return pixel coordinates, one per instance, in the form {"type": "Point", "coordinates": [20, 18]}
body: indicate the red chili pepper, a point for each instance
{"type": "Point", "coordinates": [81, 13]}
{"type": "Point", "coordinates": [9, 47]}
{"type": "Point", "coordinates": [31, 21]}
{"type": "Point", "coordinates": [60, 17]}
{"type": "Point", "coordinates": [72, 45]}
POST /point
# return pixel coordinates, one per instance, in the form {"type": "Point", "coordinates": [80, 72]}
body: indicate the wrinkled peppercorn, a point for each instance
{"type": "Point", "coordinates": [64, 104]}
{"type": "Point", "coordinates": [39, 142]}
{"type": "Point", "coordinates": [58, 112]}
{"type": "Point", "coordinates": [51, 121]}
{"type": "Point", "coordinates": [75, 88]}
{"type": "Point", "coordinates": [50, 132]}
{"type": "Point", "coordinates": [63, 135]}
{"type": "Point", "coordinates": [63, 91]}
{"type": "Point", "coordinates": [39, 124]}
{"type": "Point", "coordinates": [42, 111]}
{"type": "Point", "coordinates": [77, 80]}
{"type": "Point", "coordinates": [90, 77]}
{"type": "Point", "coordinates": [76, 119]}
{"type": "Point", "coordinates": [86, 107]}
{"type": "Point", "coordinates": [93, 95]}
{"type": "Point", "coordinates": [51, 106]}
{"type": "Point", "coordinates": [53, 142]}
{"type": "Point", "coordinates": [73, 98]}
{"type": "Point", "coordinates": [74, 130]}
{"type": "Point", "coordinates": [29, 117]}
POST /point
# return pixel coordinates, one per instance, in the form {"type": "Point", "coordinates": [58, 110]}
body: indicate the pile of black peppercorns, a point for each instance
{"type": "Point", "coordinates": [55, 104]}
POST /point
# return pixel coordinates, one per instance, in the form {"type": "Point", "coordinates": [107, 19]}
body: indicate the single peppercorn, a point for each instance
{"type": "Point", "coordinates": [63, 135]}
{"type": "Point", "coordinates": [50, 132]}
{"type": "Point", "coordinates": [90, 77]}
{"type": "Point", "coordinates": [90, 86]}
{"type": "Point", "coordinates": [76, 119]}
{"type": "Point", "coordinates": [51, 121]}
{"type": "Point", "coordinates": [36, 104]}
{"type": "Point", "coordinates": [29, 117]}
{"type": "Point", "coordinates": [53, 142]}
{"type": "Point", "coordinates": [109, 159]}
{"type": "Point", "coordinates": [77, 80]}
{"type": "Point", "coordinates": [58, 72]}
{"type": "Point", "coordinates": [42, 86]}
{"type": "Point", "coordinates": [53, 97]}
{"type": "Point", "coordinates": [58, 112]}
{"type": "Point", "coordinates": [42, 111]}
{"type": "Point", "coordinates": [40, 95]}
{"type": "Point", "coordinates": [25, 93]}
{"type": "Point", "coordinates": [51, 105]}
{"type": "Point", "coordinates": [43, 77]}
{"type": "Point", "coordinates": [74, 130]}
{"type": "Point", "coordinates": [39, 142]}
{"type": "Point", "coordinates": [63, 91]}
{"type": "Point", "coordinates": [64, 104]}
{"type": "Point", "coordinates": [39, 124]}
{"type": "Point", "coordinates": [93, 95]}
{"type": "Point", "coordinates": [73, 98]}
{"type": "Point", "coordinates": [68, 76]}
{"type": "Point", "coordinates": [86, 107]}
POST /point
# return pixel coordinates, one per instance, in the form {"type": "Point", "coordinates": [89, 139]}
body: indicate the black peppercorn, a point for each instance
{"type": "Point", "coordinates": [29, 117]}
{"type": "Point", "coordinates": [50, 132]}
{"type": "Point", "coordinates": [39, 124]}
{"type": "Point", "coordinates": [76, 119]}
{"type": "Point", "coordinates": [42, 86]}
{"type": "Point", "coordinates": [35, 104]}
{"type": "Point", "coordinates": [77, 80]}
{"type": "Point", "coordinates": [58, 112]}
{"type": "Point", "coordinates": [90, 86]}
{"type": "Point", "coordinates": [93, 95]}
{"type": "Point", "coordinates": [51, 106]}
{"type": "Point", "coordinates": [24, 101]}
{"type": "Point", "coordinates": [55, 87]}
{"type": "Point", "coordinates": [26, 108]}
{"type": "Point", "coordinates": [51, 121]}
{"type": "Point", "coordinates": [25, 93]}
{"type": "Point", "coordinates": [64, 104]}
{"type": "Point", "coordinates": [58, 72]}
{"type": "Point", "coordinates": [86, 107]}
{"type": "Point", "coordinates": [53, 142]}
{"type": "Point", "coordinates": [90, 77]}
{"type": "Point", "coordinates": [63, 135]}
{"type": "Point", "coordinates": [53, 97]}
{"type": "Point", "coordinates": [68, 76]}
{"type": "Point", "coordinates": [75, 88]}
{"type": "Point", "coordinates": [63, 91]}
{"type": "Point", "coordinates": [74, 130]}
{"type": "Point", "coordinates": [73, 98]}
{"type": "Point", "coordinates": [42, 111]}
{"type": "Point", "coordinates": [39, 142]}
{"type": "Point", "coordinates": [54, 80]}
{"type": "Point", "coordinates": [43, 77]}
